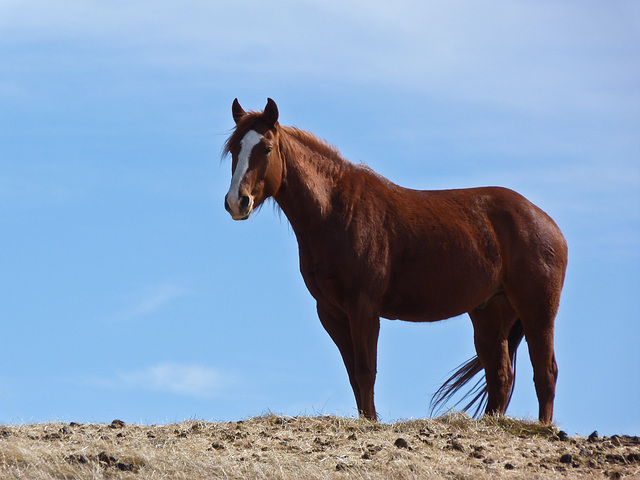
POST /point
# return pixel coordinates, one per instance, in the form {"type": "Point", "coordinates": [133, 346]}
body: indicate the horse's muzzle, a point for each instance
{"type": "Point", "coordinates": [243, 210]}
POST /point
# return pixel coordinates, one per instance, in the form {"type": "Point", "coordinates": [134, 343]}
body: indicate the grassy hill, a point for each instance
{"type": "Point", "coordinates": [275, 447]}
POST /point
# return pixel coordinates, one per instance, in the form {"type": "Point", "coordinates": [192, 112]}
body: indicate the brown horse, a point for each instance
{"type": "Point", "coordinates": [370, 249]}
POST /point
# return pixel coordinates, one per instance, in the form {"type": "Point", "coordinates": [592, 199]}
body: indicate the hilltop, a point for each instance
{"type": "Point", "coordinates": [326, 447]}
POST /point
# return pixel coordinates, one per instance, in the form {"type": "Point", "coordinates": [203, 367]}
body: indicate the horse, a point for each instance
{"type": "Point", "coordinates": [371, 249]}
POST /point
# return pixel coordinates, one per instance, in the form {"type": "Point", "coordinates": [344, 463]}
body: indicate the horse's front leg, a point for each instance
{"type": "Point", "coordinates": [336, 324]}
{"type": "Point", "coordinates": [365, 327]}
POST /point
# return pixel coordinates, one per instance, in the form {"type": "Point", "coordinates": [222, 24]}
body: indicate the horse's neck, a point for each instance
{"type": "Point", "coordinates": [308, 185]}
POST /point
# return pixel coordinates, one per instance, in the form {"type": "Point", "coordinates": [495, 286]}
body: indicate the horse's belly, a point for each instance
{"type": "Point", "coordinates": [437, 299]}
{"type": "Point", "coordinates": [419, 312]}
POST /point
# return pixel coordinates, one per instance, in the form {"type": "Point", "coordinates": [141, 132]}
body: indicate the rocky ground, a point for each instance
{"type": "Point", "coordinates": [275, 447]}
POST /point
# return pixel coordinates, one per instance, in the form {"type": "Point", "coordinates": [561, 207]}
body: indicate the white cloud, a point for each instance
{"type": "Point", "coordinates": [150, 302]}
{"type": "Point", "coordinates": [176, 378]}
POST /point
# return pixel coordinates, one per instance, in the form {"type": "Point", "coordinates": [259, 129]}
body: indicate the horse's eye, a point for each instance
{"type": "Point", "coordinates": [267, 150]}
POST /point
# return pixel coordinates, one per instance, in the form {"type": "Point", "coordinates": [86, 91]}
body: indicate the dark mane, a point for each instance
{"type": "Point", "coordinates": [328, 151]}
{"type": "Point", "coordinates": [306, 138]}
{"type": "Point", "coordinates": [316, 144]}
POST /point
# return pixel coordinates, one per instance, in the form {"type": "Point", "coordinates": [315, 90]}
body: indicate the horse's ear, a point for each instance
{"type": "Point", "coordinates": [237, 110]}
{"type": "Point", "coordinates": [271, 113]}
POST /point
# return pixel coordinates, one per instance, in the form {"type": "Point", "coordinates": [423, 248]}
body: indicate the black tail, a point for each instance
{"type": "Point", "coordinates": [470, 369]}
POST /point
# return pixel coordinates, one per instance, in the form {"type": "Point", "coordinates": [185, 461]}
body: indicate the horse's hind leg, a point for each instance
{"type": "Point", "coordinates": [537, 308]}
{"type": "Point", "coordinates": [539, 334]}
{"type": "Point", "coordinates": [491, 325]}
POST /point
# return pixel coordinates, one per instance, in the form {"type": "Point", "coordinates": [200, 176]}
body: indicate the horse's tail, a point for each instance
{"type": "Point", "coordinates": [470, 369]}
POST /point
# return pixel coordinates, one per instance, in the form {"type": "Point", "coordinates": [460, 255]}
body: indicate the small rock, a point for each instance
{"type": "Point", "coordinates": [125, 467]}
{"type": "Point", "coordinates": [594, 436]}
{"type": "Point", "coordinates": [509, 466]}
{"type": "Point", "coordinates": [562, 435]}
{"type": "Point", "coordinates": [104, 458]}
{"type": "Point", "coordinates": [477, 451]}
{"type": "Point", "coordinates": [456, 445]}
{"type": "Point", "coordinates": [279, 420]}
{"type": "Point", "coordinates": [616, 458]}
{"type": "Point", "coordinates": [321, 442]}
{"type": "Point", "coordinates": [77, 458]}
{"type": "Point", "coordinates": [117, 424]}
{"type": "Point", "coordinates": [402, 443]}
{"type": "Point", "coordinates": [633, 457]}
{"type": "Point", "coordinates": [566, 458]}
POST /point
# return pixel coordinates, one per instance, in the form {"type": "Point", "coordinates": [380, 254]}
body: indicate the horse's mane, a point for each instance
{"type": "Point", "coordinates": [316, 144]}
{"type": "Point", "coordinates": [305, 138]}
{"type": "Point", "coordinates": [308, 139]}
{"type": "Point", "coordinates": [328, 151]}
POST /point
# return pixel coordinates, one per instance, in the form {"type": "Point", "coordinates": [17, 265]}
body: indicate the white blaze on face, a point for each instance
{"type": "Point", "coordinates": [250, 140]}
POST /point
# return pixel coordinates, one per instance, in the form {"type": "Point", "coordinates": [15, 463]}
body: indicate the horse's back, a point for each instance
{"type": "Point", "coordinates": [518, 224]}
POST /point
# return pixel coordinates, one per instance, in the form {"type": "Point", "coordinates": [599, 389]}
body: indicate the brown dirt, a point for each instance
{"type": "Point", "coordinates": [276, 447]}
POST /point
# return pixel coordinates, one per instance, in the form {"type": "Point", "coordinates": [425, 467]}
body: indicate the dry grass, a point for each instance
{"type": "Point", "coordinates": [275, 447]}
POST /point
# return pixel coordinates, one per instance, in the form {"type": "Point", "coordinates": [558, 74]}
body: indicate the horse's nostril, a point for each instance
{"type": "Point", "coordinates": [226, 205]}
{"type": "Point", "coordinates": [244, 202]}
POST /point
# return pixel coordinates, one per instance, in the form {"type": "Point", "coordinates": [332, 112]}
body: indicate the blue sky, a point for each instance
{"type": "Point", "coordinates": [128, 292]}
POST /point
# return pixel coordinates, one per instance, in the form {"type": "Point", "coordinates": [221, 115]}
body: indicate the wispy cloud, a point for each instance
{"type": "Point", "coordinates": [149, 302]}
{"type": "Point", "coordinates": [190, 380]}
{"type": "Point", "coordinates": [176, 378]}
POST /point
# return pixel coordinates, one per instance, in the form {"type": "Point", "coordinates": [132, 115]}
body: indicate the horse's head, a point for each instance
{"type": "Point", "coordinates": [256, 161]}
